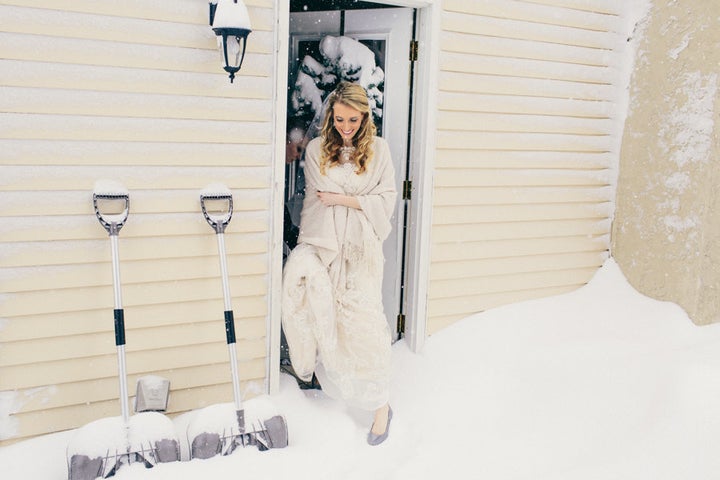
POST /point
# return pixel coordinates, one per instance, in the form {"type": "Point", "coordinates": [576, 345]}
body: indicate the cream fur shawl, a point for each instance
{"type": "Point", "coordinates": [329, 229]}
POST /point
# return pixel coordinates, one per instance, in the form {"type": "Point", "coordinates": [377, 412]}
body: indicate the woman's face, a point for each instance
{"type": "Point", "coordinates": [347, 121]}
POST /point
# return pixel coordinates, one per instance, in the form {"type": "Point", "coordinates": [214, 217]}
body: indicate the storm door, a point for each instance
{"type": "Point", "coordinates": [370, 46]}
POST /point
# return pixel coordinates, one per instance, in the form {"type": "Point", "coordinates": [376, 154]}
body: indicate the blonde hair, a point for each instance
{"type": "Point", "coordinates": [353, 96]}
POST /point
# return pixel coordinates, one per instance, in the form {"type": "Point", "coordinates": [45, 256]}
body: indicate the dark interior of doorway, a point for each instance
{"type": "Point", "coordinates": [324, 5]}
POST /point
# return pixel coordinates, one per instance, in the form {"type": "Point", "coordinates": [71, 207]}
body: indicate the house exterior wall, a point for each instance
{"type": "Point", "coordinates": [133, 91]}
{"type": "Point", "coordinates": [666, 235]}
{"type": "Point", "coordinates": [526, 153]}
{"type": "Point", "coordinates": [130, 91]}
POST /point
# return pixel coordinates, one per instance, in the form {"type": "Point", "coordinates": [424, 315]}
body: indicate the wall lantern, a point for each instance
{"type": "Point", "coordinates": [230, 21]}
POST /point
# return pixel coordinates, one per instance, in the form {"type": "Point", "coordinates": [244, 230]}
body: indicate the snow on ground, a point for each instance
{"type": "Point", "coordinates": [601, 383]}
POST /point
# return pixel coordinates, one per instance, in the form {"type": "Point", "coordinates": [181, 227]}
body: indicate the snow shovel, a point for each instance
{"type": "Point", "coordinates": [100, 448]}
{"type": "Point", "coordinates": [218, 429]}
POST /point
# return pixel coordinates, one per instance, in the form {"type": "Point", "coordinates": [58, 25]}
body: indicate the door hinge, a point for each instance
{"type": "Point", "coordinates": [407, 190]}
{"type": "Point", "coordinates": [401, 323]}
{"type": "Point", "coordinates": [413, 50]}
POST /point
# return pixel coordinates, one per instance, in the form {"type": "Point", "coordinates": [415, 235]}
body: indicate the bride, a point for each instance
{"type": "Point", "coordinates": [332, 312]}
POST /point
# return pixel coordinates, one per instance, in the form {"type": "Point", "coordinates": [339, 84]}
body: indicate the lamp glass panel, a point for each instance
{"type": "Point", "coordinates": [234, 50]}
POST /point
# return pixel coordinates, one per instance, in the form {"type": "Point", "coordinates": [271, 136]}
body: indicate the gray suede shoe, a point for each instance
{"type": "Point", "coordinates": [374, 439]}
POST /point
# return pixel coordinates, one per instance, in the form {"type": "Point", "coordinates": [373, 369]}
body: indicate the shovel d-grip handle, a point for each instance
{"type": "Point", "coordinates": [217, 221]}
{"type": "Point", "coordinates": [111, 222]}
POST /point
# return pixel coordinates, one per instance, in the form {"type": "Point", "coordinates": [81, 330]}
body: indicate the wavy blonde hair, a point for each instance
{"type": "Point", "coordinates": [354, 96]}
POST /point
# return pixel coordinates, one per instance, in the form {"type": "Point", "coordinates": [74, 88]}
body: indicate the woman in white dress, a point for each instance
{"type": "Point", "coordinates": [332, 312]}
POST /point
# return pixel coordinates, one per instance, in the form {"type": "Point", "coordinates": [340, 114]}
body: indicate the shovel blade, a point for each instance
{"type": "Point", "coordinates": [82, 467]}
{"type": "Point", "coordinates": [206, 445]}
{"type": "Point", "coordinates": [220, 429]}
{"type": "Point", "coordinates": [100, 448]}
{"type": "Point", "coordinates": [167, 450]}
{"type": "Point", "coordinates": [276, 432]}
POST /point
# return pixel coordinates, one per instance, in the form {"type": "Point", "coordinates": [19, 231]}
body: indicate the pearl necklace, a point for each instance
{"type": "Point", "coordinates": [345, 153]}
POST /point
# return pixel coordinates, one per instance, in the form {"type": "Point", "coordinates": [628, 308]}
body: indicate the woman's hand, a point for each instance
{"type": "Point", "coordinates": [330, 199]}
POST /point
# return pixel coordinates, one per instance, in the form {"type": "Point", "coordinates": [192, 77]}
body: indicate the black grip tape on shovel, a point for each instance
{"type": "Point", "coordinates": [119, 326]}
{"type": "Point", "coordinates": [230, 327]}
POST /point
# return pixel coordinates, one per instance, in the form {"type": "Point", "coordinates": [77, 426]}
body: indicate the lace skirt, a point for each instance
{"type": "Point", "coordinates": [334, 323]}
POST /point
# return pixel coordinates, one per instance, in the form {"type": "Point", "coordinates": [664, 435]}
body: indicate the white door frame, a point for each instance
{"type": "Point", "coordinates": [422, 149]}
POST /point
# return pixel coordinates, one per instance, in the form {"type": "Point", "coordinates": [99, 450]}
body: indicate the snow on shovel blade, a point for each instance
{"type": "Point", "coordinates": [93, 448]}
{"type": "Point", "coordinates": [220, 429]}
{"type": "Point", "coordinates": [154, 433]}
{"type": "Point", "coordinates": [100, 448]}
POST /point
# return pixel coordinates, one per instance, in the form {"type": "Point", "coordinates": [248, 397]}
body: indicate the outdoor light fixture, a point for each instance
{"type": "Point", "coordinates": [230, 21]}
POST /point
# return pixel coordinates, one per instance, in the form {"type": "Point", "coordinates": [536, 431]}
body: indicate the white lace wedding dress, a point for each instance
{"type": "Point", "coordinates": [332, 310]}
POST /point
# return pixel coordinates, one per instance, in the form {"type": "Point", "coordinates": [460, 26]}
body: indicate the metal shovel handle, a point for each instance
{"type": "Point", "coordinates": [112, 222]}
{"type": "Point", "coordinates": [218, 221]}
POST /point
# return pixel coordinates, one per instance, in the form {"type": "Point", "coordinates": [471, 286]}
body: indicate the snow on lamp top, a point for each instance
{"type": "Point", "coordinates": [229, 14]}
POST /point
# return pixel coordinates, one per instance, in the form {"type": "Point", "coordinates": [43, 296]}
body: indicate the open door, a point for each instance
{"type": "Point", "coordinates": [388, 34]}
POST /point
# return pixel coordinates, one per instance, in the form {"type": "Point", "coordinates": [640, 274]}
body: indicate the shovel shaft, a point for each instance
{"type": "Point", "coordinates": [119, 320]}
{"type": "Point", "coordinates": [224, 272]}
{"type": "Point", "coordinates": [229, 320]}
{"type": "Point", "coordinates": [123, 384]}
{"type": "Point", "coordinates": [235, 378]}
{"type": "Point", "coordinates": [116, 270]}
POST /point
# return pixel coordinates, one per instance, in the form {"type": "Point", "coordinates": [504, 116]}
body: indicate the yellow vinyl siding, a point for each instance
{"type": "Point", "coordinates": [115, 54]}
{"type": "Point", "coordinates": [22, 254]}
{"type": "Point", "coordinates": [508, 231]}
{"type": "Point", "coordinates": [610, 7]}
{"type": "Point", "coordinates": [45, 152]}
{"type": "Point", "coordinates": [492, 122]}
{"type": "Point", "coordinates": [153, 293]}
{"type": "Point", "coordinates": [94, 78]}
{"type": "Point", "coordinates": [526, 144]}
{"type": "Point", "coordinates": [28, 279]}
{"type": "Point", "coordinates": [517, 248]}
{"type": "Point", "coordinates": [40, 417]}
{"type": "Point", "coordinates": [134, 92]}
{"type": "Point", "coordinates": [571, 107]}
{"type": "Point", "coordinates": [519, 159]}
{"type": "Point", "coordinates": [130, 105]}
{"type": "Point", "coordinates": [88, 127]}
{"type": "Point", "coordinates": [138, 361]}
{"type": "Point", "coordinates": [505, 274]}
{"type": "Point", "coordinates": [543, 12]}
{"type": "Point", "coordinates": [526, 87]}
{"type": "Point", "coordinates": [149, 336]}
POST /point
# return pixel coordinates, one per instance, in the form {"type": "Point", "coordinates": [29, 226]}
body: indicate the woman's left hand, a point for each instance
{"type": "Point", "coordinates": [330, 199]}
